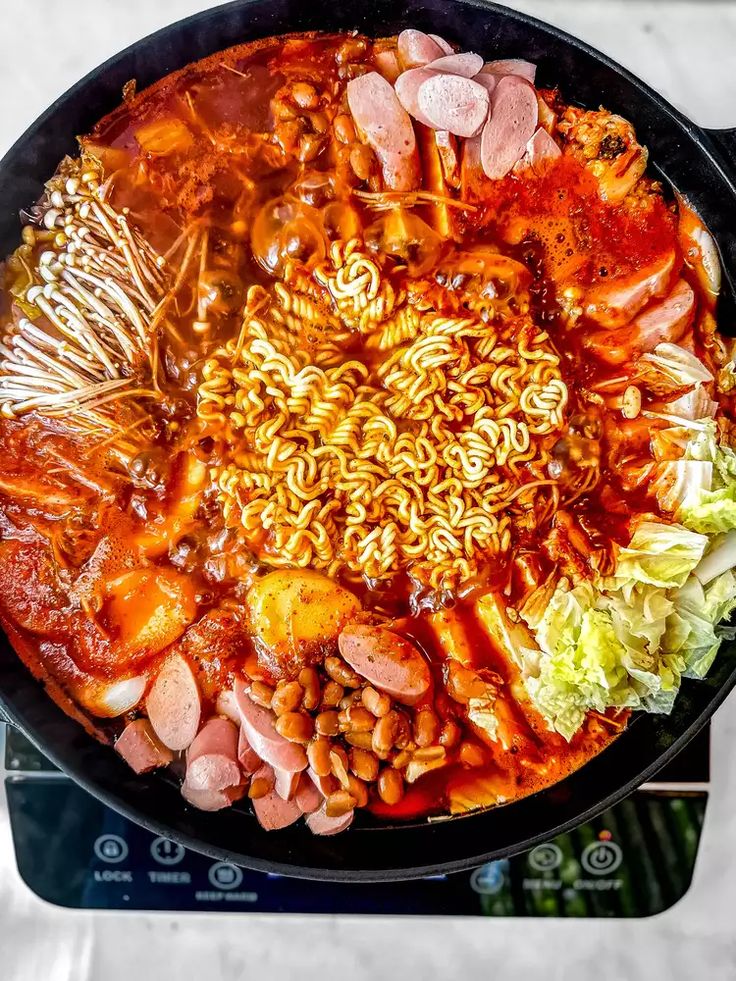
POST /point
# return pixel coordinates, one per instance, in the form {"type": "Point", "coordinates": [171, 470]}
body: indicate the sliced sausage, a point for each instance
{"type": "Point", "coordinates": [454, 103]}
{"type": "Point", "coordinates": [615, 304]}
{"type": "Point", "coordinates": [416, 48]}
{"type": "Point", "coordinates": [174, 704]}
{"type": "Point", "coordinates": [542, 150]}
{"type": "Point", "coordinates": [320, 824]}
{"type": "Point", "coordinates": [285, 783]}
{"type": "Point", "coordinates": [260, 729]}
{"type": "Point", "coordinates": [513, 120]}
{"type": "Point", "coordinates": [489, 82]}
{"type": "Point", "coordinates": [385, 125]}
{"type": "Point", "coordinates": [325, 785]}
{"type": "Point", "coordinates": [211, 800]}
{"type": "Point", "coordinates": [247, 756]}
{"type": "Point", "coordinates": [407, 89]}
{"type": "Point", "coordinates": [388, 661]}
{"type": "Point", "coordinates": [272, 811]}
{"type": "Point", "coordinates": [141, 749]}
{"type": "Point", "coordinates": [440, 42]}
{"type": "Point", "coordinates": [667, 320]}
{"type": "Point", "coordinates": [308, 796]}
{"type": "Point", "coordinates": [511, 66]}
{"type": "Point", "coordinates": [663, 322]}
{"type": "Point", "coordinates": [466, 64]}
{"type": "Point", "coordinates": [212, 759]}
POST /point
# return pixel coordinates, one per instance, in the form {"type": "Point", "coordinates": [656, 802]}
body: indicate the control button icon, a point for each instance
{"type": "Point", "coordinates": [222, 875]}
{"type": "Point", "coordinates": [488, 880]}
{"type": "Point", "coordinates": [111, 849]}
{"type": "Point", "coordinates": [601, 857]}
{"type": "Point", "coordinates": [546, 857]}
{"type": "Point", "coordinates": [167, 852]}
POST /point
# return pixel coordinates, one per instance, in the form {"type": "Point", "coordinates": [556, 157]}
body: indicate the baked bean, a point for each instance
{"type": "Point", "coordinates": [327, 723]}
{"type": "Point", "coordinates": [426, 727]}
{"type": "Point", "coordinates": [344, 129]}
{"type": "Point", "coordinates": [339, 803]}
{"type": "Point", "coordinates": [363, 764]}
{"type": "Point", "coordinates": [319, 122]}
{"type": "Point", "coordinates": [471, 755]}
{"type": "Point", "coordinates": [376, 702]}
{"type": "Point", "coordinates": [347, 700]}
{"type": "Point", "coordinates": [450, 734]}
{"type": "Point", "coordinates": [358, 719]}
{"type": "Point", "coordinates": [339, 761]}
{"type": "Point", "coordinates": [287, 697]}
{"type": "Point", "coordinates": [288, 134]}
{"type": "Point", "coordinates": [261, 693]}
{"type": "Point", "coordinates": [390, 786]}
{"type": "Point", "coordinates": [304, 95]}
{"type": "Point", "coordinates": [384, 734]}
{"type": "Point", "coordinates": [259, 787]}
{"type": "Point", "coordinates": [364, 740]}
{"type": "Point", "coordinates": [429, 753]}
{"type": "Point", "coordinates": [282, 109]}
{"type": "Point", "coordinates": [309, 680]}
{"type": "Point", "coordinates": [403, 731]}
{"type": "Point", "coordinates": [332, 694]}
{"type": "Point", "coordinates": [309, 146]}
{"type": "Point", "coordinates": [318, 754]}
{"type": "Point", "coordinates": [363, 161]}
{"type": "Point", "coordinates": [342, 673]}
{"type": "Point", "coordinates": [357, 789]}
{"type": "Point", "coordinates": [402, 759]}
{"type": "Point", "coordinates": [295, 726]}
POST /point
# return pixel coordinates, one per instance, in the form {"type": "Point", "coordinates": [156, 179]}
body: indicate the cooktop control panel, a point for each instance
{"type": "Point", "coordinates": [635, 860]}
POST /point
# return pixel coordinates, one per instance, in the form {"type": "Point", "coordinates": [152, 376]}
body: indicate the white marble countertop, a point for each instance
{"type": "Point", "coordinates": [685, 49]}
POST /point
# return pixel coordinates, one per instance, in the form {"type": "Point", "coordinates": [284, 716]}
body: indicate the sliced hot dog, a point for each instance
{"type": "Point", "coordinates": [454, 103]}
{"type": "Point", "coordinates": [512, 123]}
{"type": "Point", "coordinates": [466, 64]}
{"type": "Point", "coordinates": [211, 800]}
{"type": "Point", "coordinates": [488, 81]}
{"type": "Point", "coordinates": [445, 45]}
{"type": "Point", "coordinates": [407, 89]}
{"type": "Point", "coordinates": [667, 320]}
{"type": "Point", "coordinates": [272, 811]}
{"type": "Point", "coordinates": [249, 759]}
{"type": "Point", "coordinates": [212, 759]}
{"type": "Point", "coordinates": [386, 126]}
{"type": "Point", "coordinates": [542, 150]}
{"type": "Point", "coordinates": [308, 796]}
{"type": "Point", "coordinates": [320, 824]}
{"type": "Point", "coordinates": [511, 66]}
{"type": "Point", "coordinates": [615, 304]}
{"type": "Point", "coordinates": [260, 729]}
{"type": "Point", "coordinates": [141, 749]}
{"type": "Point", "coordinates": [325, 785]}
{"type": "Point", "coordinates": [387, 660]}
{"type": "Point", "coordinates": [173, 703]}
{"type": "Point", "coordinates": [416, 48]}
{"type": "Point", "coordinates": [285, 783]}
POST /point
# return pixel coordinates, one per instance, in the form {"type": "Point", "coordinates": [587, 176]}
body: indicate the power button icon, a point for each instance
{"type": "Point", "coordinates": [601, 857]}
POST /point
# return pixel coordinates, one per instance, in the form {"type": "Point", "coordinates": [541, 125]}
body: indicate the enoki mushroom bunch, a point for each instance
{"type": "Point", "coordinates": [93, 285]}
{"type": "Point", "coordinates": [342, 460]}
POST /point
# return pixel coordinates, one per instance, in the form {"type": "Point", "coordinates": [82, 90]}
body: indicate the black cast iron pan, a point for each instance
{"type": "Point", "coordinates": [699, 164]}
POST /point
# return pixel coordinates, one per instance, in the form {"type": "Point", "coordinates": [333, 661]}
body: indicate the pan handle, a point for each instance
{"type": "Point", "coordinates": [725, 140]}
